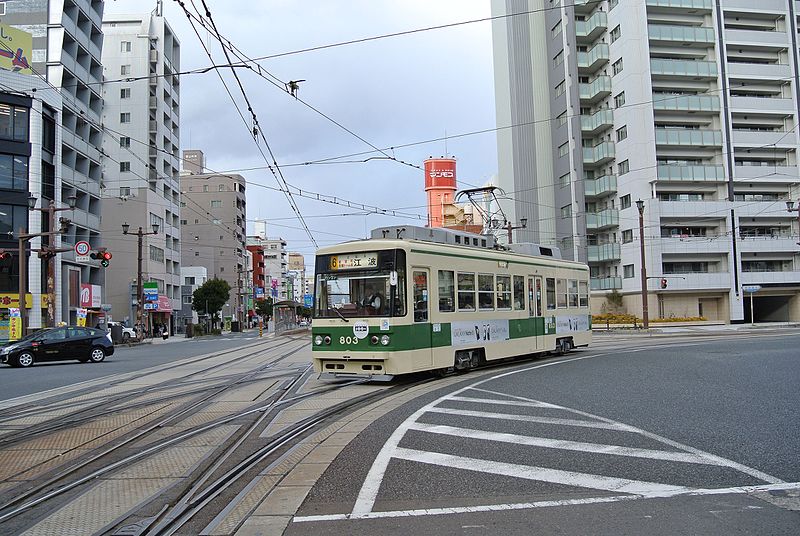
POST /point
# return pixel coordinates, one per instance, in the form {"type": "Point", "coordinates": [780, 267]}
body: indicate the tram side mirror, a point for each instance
{"type": "Point", "coordinates": [393, 278]}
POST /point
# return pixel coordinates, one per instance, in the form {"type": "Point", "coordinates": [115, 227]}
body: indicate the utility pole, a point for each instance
{"type": "Point", "coordinates": [139, 297]}
{"type": "Point", "coordinates": [645, 319]}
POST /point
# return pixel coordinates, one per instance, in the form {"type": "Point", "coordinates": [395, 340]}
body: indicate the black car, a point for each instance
{"type": "Point", "coordinates": [58, 344]}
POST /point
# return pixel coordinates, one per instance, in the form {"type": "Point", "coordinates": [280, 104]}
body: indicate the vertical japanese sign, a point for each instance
{"type": "Point", "coordinates": [16, 48]}
{"type": "Point", "coordinates": [82, 318]}
{"type": "Point", "coordinates": [14, 324]}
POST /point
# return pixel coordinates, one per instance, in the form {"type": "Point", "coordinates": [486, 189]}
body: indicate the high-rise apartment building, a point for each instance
{"type": "Point", "coordinates": [270, 266]}
{"type": "Point", "coordinates": [213, 226]}
{"type": "Point", "coordinates": [690, 106]}
{"type": "Point", "coordinates": [67, 43]}
{"type": "Point", "coordinates": [141, 55]}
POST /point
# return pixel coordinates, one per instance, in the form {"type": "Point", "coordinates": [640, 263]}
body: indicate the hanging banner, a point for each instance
{"type": "Point", "coordinates": [82, 318]}
{"type": "Point", "coordinates": [14, 324]}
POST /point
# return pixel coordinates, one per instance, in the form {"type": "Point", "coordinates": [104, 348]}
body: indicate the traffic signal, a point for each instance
{"type": "Point", "coordinates": [663, 282]}
{"type": "Point", "coordinates": [103, 256]}
{"type": "Point", "coordinates": [4, 255]}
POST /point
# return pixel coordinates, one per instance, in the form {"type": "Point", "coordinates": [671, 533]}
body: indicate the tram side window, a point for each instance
{"type": "Point", "coordinates": [573, 292]}
{"type": "Point", "coordinates": [485, 291]}
{"type": "Point", "coordinates": [583, 291]}
{"type": "Point", "coordinates": [447, 291]}
{"type": "Point", "coordinates": [504, 292]}
{"type": "Point", "coordinates": [519, 293]}
{"type": "Point", "coordinates": [561, 293]}
{"type": "Point", "coordinates": [420, 297]}
{"type": "Point", "coordinates": [551, 293]}
{"type": "Point", "coordinates": [466, 292]}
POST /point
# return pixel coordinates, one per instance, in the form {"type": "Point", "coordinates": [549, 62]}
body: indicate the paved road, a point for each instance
{"type": "Point", "coordinates": [45, 376]}
{"type": "Point", "coordinates": [656, 441]}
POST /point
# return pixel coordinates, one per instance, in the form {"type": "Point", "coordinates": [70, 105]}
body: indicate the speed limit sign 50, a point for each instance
{"type": "Point", "coordinates": [82, 250]}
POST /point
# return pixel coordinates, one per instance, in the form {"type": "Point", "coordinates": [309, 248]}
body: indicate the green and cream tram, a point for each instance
{"type": "Point", "coordinates": [412, 299]}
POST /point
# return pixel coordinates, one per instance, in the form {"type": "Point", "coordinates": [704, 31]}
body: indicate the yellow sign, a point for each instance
{"type": "Point", "coordinates": [82, 318]}
{"type": "Point", "coordinates": [16, 49]}
{"type": "Point", "coordinates": [14, 324]}
{"type": "Point", "coordinates": [12, 300]}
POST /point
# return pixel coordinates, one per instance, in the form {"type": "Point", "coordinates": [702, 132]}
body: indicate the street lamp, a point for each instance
{"type": "Point", "coordinates": [508, 226]}
{"type": "Point", "coordinates": [645, 316]}
{"type": "Point", "coordinates": [790, 208]}
{"type": "Point", "coordinates": [139, 297]}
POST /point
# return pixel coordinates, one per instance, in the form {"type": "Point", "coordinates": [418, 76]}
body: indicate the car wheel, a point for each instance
{"type": "Point", "coordinates": [24, 360]}
{"type": "Point", "coordinates": [126, 337]}
{"type": "Point", "coordinates": [97, 355]}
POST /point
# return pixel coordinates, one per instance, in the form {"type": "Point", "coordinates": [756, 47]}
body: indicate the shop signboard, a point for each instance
{"type": "Point", "coordinates": [14, 324]}
{"type": "Point", "coordinates": [82, 317]}
{"type": "Point", "coordinates": [308, 300]}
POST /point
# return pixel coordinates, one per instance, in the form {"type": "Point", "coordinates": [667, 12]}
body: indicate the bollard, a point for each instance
{"type": "Point", "coordinates": [260, 328]}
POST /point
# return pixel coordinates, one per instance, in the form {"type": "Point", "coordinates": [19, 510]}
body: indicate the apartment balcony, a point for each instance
{"type": "Point", "coordinates": [698, 70]}
{"type": "Point", "coordinates": [599, 154]}
{"type": "Point", "coordinates": [761, 278]}
{"type": "Point", "coordinates": [691, 173]}
{"type": "Point", "coordinates": [768, 244]}
{"type": "Point", "coordinates": [706, 104]}
{"type": "Point", "coordinates": [762, 105]}
{"type": "Point", "coordinates": [695, 245]}
{"type": "Point", "coordinates": [764, 71]}
{"type": "Point", "coordinates": [597, 90]}
{"type": "Point", "coordinates": [600, 186]}
{"type": "Point", "coordinates": [695, 209]}
{"type": "Point", "coordinates": [685, 35]}
{"type": "Point", "coordinates": [775, 173]}
{"type": "Point", "coordinates": [600, 120]}
{"type": "Point", "coordinates": [153, 126]}
{"type": "Point", "coordinates": [761, 138]}
{"type": "Point", "coordinates": [602, 220]}
{"type": "Point", "coordinates": [673, 137]}
{"type": "Point", "coordinates": [699, 281]}
{"type": "Point", "coordinates": [591, 61]}
{"type": "Point", "coordinates": [773, 40]}
{"type": "Point", "coordinates": [585, 6]}
{"type": "Point", "coordinates": [587, 31]}
{"type": "Point", "coordinates": [605, 283]}
{"type": "Point", "coordinates": [702, 6]}
{"type": "Point", "coordinates": [604, 253]}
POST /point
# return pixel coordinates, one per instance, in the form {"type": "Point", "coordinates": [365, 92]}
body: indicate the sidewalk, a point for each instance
{"type": "Point", "coordinates": [711, 327]}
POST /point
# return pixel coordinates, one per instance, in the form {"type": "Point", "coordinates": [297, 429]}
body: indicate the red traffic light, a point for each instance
{"type": "Point", "coordinates": [4, 255]}
{"type": "Point", "coordinates": [106, 255]}
{"type": "Point", "coordinates": [663, 282]}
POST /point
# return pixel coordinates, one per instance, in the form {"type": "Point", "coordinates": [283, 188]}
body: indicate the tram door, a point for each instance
{"type": "Point", "coordinates": [422, 324]}
{"type": "Point", "coordinates": [535, 309]}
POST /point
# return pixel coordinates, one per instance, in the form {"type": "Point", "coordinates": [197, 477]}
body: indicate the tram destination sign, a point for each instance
{"type": "Point", "coordinates": [354, 261]}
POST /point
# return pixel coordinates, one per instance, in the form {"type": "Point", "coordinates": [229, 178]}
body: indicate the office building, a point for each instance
{"type": "Point", "coordinates": [270, 266]}
{"type": "Point", "coordinates": [141, 55]}
{"type": "Point", "coordinates": [690, 106]}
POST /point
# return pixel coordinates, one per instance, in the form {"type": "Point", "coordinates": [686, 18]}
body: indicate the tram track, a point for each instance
{"type": "Point", "coordinates": [38, 493]}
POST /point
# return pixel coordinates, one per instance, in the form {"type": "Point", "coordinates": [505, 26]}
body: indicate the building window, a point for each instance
{"type": "Point", "coordinates": [563, 149]}
{"type": "Point", "coordinates": [616, 33]}
{"type": "Point", "coordinates": [124, 142]}
{"type": "Point", "coordinates": [622, 132]}
{"type": "Point", "coordinates": [124, 166]}
{"type": "Point", "coordinates": [157, 220]}
{"type": "Point", "coordinates": [627, 236]}
{"type": "Point", "coordinates": [627, 271]}
{"type": "Point", "coordinates": [623, 167]}
{"type": "Point", "coordinates": [558, 59]}
{"type": "Point", "coordinates": [125, 93]}
{"type": "Point", "coordinates": [156, 254]}
{"type": "Point", "coordinates": [561, 88]}
{"type": "Point", "coordinates": [125, 46]}
{"type": "Point", "coordinates": [125, 191]}
{"type": "Point", "coordinates": [566, 211]}
{"type": "Point", "coordinates": [125, 117]}
{"type": "Point", "coordinates": [563, 180]}
{"type": "Point", "coordinates": [12, 217]}
{"type": "Point", "coordinates": [216, 203]}
{"type": "Point", "coordinates": [625, 201]}
{"type": "Point", "coordinates": [187, 299]}
{"type": "Point", "coordinates": [555, 30]}
{"type": "Point", "coordinates": [13, 172]}
{"type": "Point", "coordinates": [184, 222]}
{"type": "Point", "coordinates": [562, 119]}
{"type": "Point", "coordinates": [616, 67]}
{"type": "Point", "coordinates": [205, 187]}
{"type": "Point", "coordinates": [13, 123]}
{"type": "Point", "coordinates": [188, 280]}
{"type": "Point", "coordinates": [619, 100]}
{"type": "Point", "coordinates": [125, 70]}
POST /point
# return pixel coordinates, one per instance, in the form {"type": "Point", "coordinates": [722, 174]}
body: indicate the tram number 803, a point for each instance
{"type": "Point", "coordinates": [348, 340]}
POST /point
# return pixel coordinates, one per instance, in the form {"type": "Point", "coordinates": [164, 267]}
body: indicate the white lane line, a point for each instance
{"type": "Point", "coordinates": [541, 474]}
{"type": "Point", "coordinates": [738, 490]}
{"type": "Point", "coordinates": [560, 444]}
{"type": "Point", "coordinates": [503, 402]}
{"type": "Point", "coordinates": [528, 418]}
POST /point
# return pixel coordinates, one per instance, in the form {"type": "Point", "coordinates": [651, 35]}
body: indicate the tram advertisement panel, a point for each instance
{"type": "Point", "coordinates": [483, 331]}
{"type": "Point", "coordinates": [572, 324]}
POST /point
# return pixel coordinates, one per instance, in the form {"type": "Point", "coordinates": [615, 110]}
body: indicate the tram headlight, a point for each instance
{"type": "Point", "coordinates": [385, 340]}
{"type": "Point", "coordinates": [374, 339]}
{"type": "Point", "coordinates": [327, 339]}
{"type": "Point", "coordinates": [318, 340]}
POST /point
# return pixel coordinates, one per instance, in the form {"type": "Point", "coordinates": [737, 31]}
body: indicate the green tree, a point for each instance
{"type": "Point", "coordinates": [210, 297]}
{"type": "Point", "coordinates": [264, 307]}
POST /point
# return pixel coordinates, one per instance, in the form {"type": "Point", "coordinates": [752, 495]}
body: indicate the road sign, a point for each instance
{"type": "Point", "coordinates": [751, 288]}
{"type": "Point", "coordinates": [151, 294]}
{"type": "Point", "coordinates": [150, 306]}
{"type": "Point", "coordinates": [82, 249]}
{"type": "Point", "coordinates": [105, 307]}
{"type": "Point", "coordinates": [308, 300]}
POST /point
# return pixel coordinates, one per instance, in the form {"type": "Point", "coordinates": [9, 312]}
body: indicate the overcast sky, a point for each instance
{"type": "Point", "coordinates": [390, 92]}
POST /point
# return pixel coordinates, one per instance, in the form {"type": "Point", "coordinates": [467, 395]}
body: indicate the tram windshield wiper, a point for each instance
{"type": "Point", "coordinates": [338, 313]}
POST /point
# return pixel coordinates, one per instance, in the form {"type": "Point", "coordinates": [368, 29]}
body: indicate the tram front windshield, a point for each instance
{"type": "Point", "coordinates": [360, 285]}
